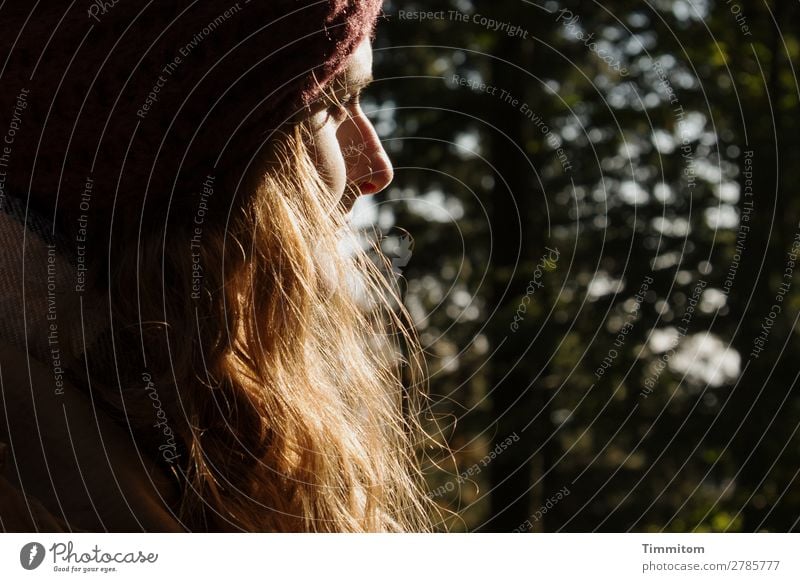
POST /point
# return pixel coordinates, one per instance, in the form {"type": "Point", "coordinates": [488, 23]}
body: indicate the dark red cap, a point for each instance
{"type": "Point", "coordinates": [168, 89]}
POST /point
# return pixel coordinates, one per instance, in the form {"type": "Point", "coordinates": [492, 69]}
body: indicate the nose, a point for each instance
{"type": "Point", "coordinates": [368, 165]}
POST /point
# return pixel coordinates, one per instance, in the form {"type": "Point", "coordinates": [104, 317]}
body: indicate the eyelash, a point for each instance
{"type": "Point", "coordinates": [339, 110]}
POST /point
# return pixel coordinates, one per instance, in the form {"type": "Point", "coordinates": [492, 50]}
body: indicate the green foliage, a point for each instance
{"type": "Point", "coordinates": [671, 425]}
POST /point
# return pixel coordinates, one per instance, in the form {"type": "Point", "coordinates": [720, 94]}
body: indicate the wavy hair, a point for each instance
{"type": "Point", "coordinates": [294, 378]}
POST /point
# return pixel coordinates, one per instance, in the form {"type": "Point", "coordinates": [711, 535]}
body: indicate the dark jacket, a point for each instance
{"type": "Point", "coordinates": [65, 465]}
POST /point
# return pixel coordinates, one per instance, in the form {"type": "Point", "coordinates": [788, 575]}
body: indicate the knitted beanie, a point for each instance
{"type": "Point", "coordinates": [155, 96]}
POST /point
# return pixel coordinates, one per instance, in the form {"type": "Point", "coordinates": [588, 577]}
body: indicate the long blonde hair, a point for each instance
{"type": "Point", "coordinates": [297, 401]}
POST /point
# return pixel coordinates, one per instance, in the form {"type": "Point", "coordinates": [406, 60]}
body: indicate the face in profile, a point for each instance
{"type": "Point", "coordinates": [347, 151]}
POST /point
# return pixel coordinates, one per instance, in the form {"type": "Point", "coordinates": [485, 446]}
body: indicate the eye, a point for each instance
{"type": "Point", "coordinates": [338, 110]}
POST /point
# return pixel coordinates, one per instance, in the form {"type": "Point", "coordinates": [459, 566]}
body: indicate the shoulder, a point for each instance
{"type": "Point", "coordinates": [72, 458]}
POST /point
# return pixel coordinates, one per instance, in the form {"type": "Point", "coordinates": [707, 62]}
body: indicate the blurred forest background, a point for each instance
{"type": "Point", "coordinates": [601, 259]}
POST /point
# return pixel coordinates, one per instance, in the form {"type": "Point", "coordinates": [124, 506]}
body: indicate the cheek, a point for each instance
{"type": "Point", "coordinates": [328, 158]}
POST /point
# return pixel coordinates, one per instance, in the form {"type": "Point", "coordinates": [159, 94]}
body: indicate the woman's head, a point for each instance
{"type": "Point", "coordinates": [218, 153]}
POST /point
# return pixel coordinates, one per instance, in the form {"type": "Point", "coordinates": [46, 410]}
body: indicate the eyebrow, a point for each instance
{"type": "Point", "coordinates": [344, 83]}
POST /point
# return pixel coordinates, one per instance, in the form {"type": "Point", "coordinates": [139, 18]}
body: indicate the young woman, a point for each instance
{"type": "Point", "coordinates": [185, 344]}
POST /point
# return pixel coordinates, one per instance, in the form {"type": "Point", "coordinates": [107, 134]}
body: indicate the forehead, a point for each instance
{"type": "Point", "coordinates": [358, 69]}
